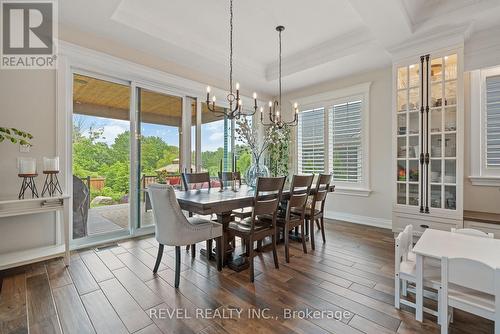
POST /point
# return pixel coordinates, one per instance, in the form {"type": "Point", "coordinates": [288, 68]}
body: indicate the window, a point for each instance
{"type": "Point", "coordinates": [346, 149]}
{"type": "Point", "coordinates": [485, 127]}
{"type": "Point", "coordinates": [332, 135]}
{"type": "Point", "coordinates": [311, 141]}
{"type": "Point", "coordinates": [492, 110]}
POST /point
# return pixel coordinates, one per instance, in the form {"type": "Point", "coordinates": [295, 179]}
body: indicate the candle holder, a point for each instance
{"type": "Point", "coordinates": [28, 183]}
{"type": "Point", "coordinates": [51, 169]}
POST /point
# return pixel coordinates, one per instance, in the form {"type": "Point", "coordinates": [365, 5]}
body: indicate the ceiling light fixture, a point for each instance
{"type": "Point", "coordinates": [275, 111]}
{"type": "Point", "coordinates": [235, 103]}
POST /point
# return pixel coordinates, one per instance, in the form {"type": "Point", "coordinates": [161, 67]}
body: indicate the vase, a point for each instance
{"type": "Point", "coordinates": [256, 170]}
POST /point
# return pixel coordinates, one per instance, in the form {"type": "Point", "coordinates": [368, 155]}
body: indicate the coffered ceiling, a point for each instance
{"type": "Point", "coordinates": [323, 39]}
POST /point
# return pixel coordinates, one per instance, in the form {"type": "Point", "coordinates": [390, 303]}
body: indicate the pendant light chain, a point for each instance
{"type": "Point", "coordinates": [231, 15]}
{"type": "Point", "coordinates": [280, 69]}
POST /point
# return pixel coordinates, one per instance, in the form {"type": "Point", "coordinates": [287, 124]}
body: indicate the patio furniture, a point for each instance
{"type": "Point", "coordinates": [174, 229]}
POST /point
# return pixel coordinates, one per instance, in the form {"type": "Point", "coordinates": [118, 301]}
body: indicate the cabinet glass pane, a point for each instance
{"type": "Point", "coordinates": [450, 197]}
{"type": "Point", "coordinates": [435, 196]}
{"type": "Point", "coordinates": [414, 75]}
{"type": "Point", "coordinates": [450, 119]}
{"type": "Point", "coordinates": [402, 77]}
{"type": "Point", "coordinates": [450, 92]}
{"type": "Point", "coordinates": [414, 103]}
{"type": "Point", "coordinates": [413, 147]}
{"type": "Point", "coordinates": [413, 170]}
{"type": "Point", "coordinates": [450, 171]}
{"type": "Point", "coordinates": [435, 171]}
{"type": "Point", "coordinates": [402, 100]}
{"type": "Point", "coordinates": [414, 126]}
{"type": "Point", "coordinates": [401, 193]}
{"type": "Point", "coordinates": [436, 69]}
{"type": "Point", "coordinates": [402, 147]}
{"type": "Point", "coordinates": [436, 95]}
{"type": "Point", "coordinates": [401, 170]}
{"type": "Point", "coordinates": [436, 146]}
{"type": "Point", "coordinates": [402, 124]}
{"type": "Point", "coordinates": [450, 145]}
{"type": "Point", "coordinates": [450, 71]}
{"type": "Point", "coordinates": [435, 119]}
{"type": "Point", "coordinates": [413, 194]}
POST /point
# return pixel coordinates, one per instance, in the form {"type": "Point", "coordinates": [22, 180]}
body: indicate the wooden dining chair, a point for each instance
{"type": "Point", "coordinates": [299, 191]}
{"type": "Point", "coordinates": [314, 210]}
{"type": "Point", "coordinates": [251, 229]}
{"type": "Point", "coordinates": [470, 286]}
{"type": "Point", "coordinates": [192, 181]}
{"type": "Point", "coordinates": [226, 177]}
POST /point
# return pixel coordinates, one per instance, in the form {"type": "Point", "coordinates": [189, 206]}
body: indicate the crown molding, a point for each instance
{"type": "Point", "coordinates": [336, 48]}
{"type": "Point", "coordinates": [431, 40]}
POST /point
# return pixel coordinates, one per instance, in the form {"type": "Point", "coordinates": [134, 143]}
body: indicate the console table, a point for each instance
{"type": "Point", "coordinates": [59, 204]}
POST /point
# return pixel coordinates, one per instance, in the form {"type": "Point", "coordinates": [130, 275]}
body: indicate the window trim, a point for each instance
{"type": "Point", "coordinates": [480, 174]}
{"type": "Point", "coordinates": [327, 100]}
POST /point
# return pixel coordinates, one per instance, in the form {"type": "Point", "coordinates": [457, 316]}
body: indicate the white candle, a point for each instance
{"type": "Point", "coordinates": [27, 166]}
{"type": "Point", "coordinates": [51, 164]}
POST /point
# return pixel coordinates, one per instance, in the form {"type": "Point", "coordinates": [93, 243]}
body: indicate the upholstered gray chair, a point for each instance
{"type": "Point", "coordinates": [174, 229]}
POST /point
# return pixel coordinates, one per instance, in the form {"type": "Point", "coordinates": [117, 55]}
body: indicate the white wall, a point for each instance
{"type": "Point", "coordinates": [377, 207]}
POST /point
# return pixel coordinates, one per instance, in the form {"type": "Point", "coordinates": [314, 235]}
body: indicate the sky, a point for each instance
{"type": "Point", "coordinates": [212, 134]}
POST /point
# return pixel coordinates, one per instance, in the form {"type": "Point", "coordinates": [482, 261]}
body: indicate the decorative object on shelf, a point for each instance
{"type": "Point", "coordinates": [51, 169]}
{"type": "Point", "coordinates": [27, 171]}
{"type": "Point", "coordinates": [275, 108]}
{"type": "Point", "coordinates": [249, 136]}
{"type": "Point", "coordinates": [235, 103]}
{"type": "Point", "coordinates": [15, 136]}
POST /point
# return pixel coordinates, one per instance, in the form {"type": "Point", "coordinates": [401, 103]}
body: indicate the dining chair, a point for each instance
{"type": "Point", "coordinates": [473, 232]}
{"type": "Point", "coordinates": [470, 286]}
{"type": "Point", "coordinates": [314, 210]}
{"type": "Point", "coordinates": [405, 272]}
{"type": "Point", "coordinates": [251, 229]}
{"type": "Point", "coordinates": [226, 177]}
{"type": "Point", "coordinates": [172, 228]}
{"type": "Point", "coordinates": [191, 181]}
{"type": "Point", "coordinates": [195, 179]}
{"type": "Point", "coordinates": [299, 192]}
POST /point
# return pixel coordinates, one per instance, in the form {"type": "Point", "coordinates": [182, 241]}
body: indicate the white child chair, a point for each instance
{"type": "Point", "coordinates": [405, 272]}
{"type": "Point", "coordinates": [473, 232]}
{"type": "Point", "coordinates": [471, 286]}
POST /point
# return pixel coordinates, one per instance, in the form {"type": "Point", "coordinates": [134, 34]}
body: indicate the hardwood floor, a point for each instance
{"type": "Point", "coordinates": [113, 290]}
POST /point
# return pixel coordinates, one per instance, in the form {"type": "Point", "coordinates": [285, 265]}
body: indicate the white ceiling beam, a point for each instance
{"type": "Point", "coordinates": [387, 20]}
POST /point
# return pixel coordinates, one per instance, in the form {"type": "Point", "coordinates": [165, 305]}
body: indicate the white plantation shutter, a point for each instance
{"type": "Point", "coordinates": [310, 140]}
{"type": "Point", "coordinates": [493, 121]}
{"type": "Point", "coordinates": [345, 142]}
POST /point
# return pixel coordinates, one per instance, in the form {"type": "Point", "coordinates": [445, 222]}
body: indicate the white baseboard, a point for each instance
{"type": "Point", "coordinates": [363, 220]}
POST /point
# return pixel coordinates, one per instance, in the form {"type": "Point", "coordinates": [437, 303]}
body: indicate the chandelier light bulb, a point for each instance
{"type": "Point", "coordinates": [270, 104]}
{"type": "Point", "coordinates": [237, 86]}
{"type": "Point", "coordinates": [254, 95]}
{"type": "Point", "coordinates": [214, 99]}
{"type": "Point", "coordinates": [208, 89]}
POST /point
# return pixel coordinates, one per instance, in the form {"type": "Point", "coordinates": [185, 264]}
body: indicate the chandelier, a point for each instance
{"type": "Point", "coordinates": [234, 101]}
{"type": "Point", "coordinates": [275, 112]}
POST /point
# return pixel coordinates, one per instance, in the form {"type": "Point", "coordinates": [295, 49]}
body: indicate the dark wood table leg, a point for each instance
{"type": "Point", "coordinates": [223, 218]}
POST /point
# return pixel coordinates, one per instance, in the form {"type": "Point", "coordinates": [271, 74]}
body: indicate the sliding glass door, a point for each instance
{"type": "Point", "coordinates": [127, 136]}
{"type": "Point", "coordinates": [159, 124]}
{"type": "Point", "coordinates": [101, 156]}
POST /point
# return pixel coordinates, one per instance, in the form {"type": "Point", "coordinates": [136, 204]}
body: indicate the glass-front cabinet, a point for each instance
{"type": "Point", "coordinates": [428, 141]}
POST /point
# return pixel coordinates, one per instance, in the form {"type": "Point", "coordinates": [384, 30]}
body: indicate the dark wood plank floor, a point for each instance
{"type": "Point", "coordinates": [113, 290]}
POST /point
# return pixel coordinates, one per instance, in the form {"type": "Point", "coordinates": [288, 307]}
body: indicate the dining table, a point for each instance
{"type": "Point", "coordinates": [222, 202]}
{"type": "Point", "coordinates": [436, 244]}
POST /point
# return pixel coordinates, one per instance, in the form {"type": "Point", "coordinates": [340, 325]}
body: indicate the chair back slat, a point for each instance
{"type": "Point", "coordinates": [267, 197]}
{"type": "Point", "coordinates": [266, 207]}
{"type": "Point", "coordinates": [299, 192]}
{"type": "Point", "coordinates": [195, 178]}
{"type": "Point", "coordinates": [270, 184]}
{"type": "Point", "coordinates": [469, 273]}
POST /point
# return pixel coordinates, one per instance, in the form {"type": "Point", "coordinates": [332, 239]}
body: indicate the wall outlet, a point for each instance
{"type": "Point", "coordinates": [24, 148]}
